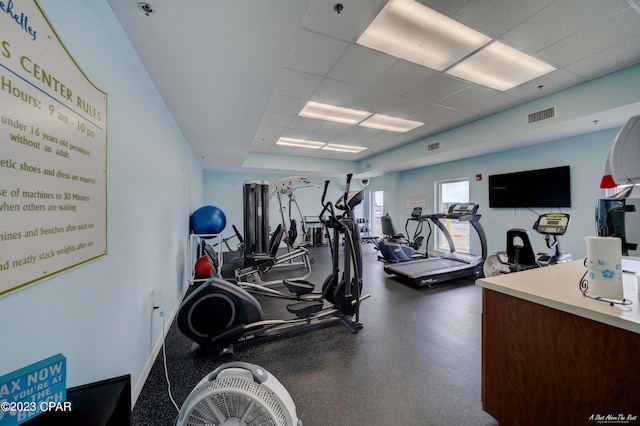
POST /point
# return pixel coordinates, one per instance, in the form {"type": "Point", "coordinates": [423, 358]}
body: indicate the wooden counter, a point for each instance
{"type": "Point", "coordinates": [552, 356]}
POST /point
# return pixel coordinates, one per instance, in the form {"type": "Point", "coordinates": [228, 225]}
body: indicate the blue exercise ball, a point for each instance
{"type": "Point", "coordinates": [208, 220]}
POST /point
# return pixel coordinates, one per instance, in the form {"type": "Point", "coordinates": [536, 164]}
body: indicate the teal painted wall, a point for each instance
{"type": "Point", "coordinates": [585, 155]}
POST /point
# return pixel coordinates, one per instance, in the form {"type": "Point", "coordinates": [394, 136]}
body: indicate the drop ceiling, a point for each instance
{"type": "Point", "coordinates": [236, 73]}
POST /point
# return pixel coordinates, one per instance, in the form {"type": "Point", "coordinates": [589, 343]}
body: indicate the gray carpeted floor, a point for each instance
{"type": "Point", "coordinates": [416, 361]}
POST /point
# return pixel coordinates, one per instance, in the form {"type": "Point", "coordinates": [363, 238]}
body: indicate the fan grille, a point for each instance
{"type": "Point", "coordinates": [233, 400]}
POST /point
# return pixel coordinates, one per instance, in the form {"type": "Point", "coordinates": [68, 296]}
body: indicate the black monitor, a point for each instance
{"type": "Point", "coordinates": [532, 188]}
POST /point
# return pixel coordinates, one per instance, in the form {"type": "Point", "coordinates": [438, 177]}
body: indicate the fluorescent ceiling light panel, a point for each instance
{"type": "Point", "coordinates": [344, 148]}
{"type": "Point", "coordinates": [392, 124]}
{"type": "Point", "coordinates": [333, 113]}
{"type": "Point", "coordinates": [300, 143]}
{"type": "Point", "coordinates": [500, 67]}
{"type": "Point", "coordinates": [409, 30]}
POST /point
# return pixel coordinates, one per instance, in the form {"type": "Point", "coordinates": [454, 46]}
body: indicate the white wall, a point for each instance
{"type": "Point", "coordinates": [98, 315]}
{"type": "Point", "coordinates": [585, 154]}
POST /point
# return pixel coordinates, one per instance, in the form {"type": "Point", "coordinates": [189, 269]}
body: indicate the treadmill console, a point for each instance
{"type": "Point", "coordinates": [463, 209]}
{"type": "Point", "coordinates": [552, 224]}
{"type": "Point", "coordinates": [416, 213]}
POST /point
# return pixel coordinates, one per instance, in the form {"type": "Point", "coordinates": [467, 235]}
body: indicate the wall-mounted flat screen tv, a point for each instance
{"type": "Point", "coordinates": [532, 188]}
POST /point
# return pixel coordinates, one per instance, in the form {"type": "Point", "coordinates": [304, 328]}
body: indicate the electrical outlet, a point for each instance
{"type": "Point", "coordinates": [152, 298]}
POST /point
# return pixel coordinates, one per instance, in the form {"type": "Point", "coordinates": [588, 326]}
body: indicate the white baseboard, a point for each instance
{"type": "Point", "coordinates": [137, 388]}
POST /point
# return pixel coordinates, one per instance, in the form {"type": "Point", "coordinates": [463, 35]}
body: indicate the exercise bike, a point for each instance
{"type": "Point", "coordinates": [217, 313]}
{"type": "Point", "coordinates": [520, 254]}
{"type": "Point", "coordinates": [396, 247]}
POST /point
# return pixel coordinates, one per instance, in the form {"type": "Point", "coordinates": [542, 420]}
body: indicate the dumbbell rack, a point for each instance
{"type": "Point", "coordinates": [195, 252]}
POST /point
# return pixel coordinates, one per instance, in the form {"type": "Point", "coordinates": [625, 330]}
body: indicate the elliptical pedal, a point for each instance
{"type": "Point", "coordinates": [305, 308]}
{"type": "Point", "coordinates": [299, 287]}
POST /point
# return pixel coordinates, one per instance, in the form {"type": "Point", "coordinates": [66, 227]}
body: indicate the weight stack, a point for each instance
{"type": "Point", "coordinates": [256, 216]}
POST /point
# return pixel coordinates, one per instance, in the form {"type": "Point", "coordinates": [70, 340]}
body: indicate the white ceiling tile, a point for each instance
{"type": "Point", "coordinates": [263, 144]}
{"type": "Point", "coordinates": [494, 17]}
{"type": "Point", "coordinates": [328, 130]}
{"type": "Point", "coordinates": [433, 113]}
{"type": "Point", "coordinates": [552, 82]}
{"type": "Point", "coordinates": [304, 123]}
{"type": "Point", "coordinates": [290, 150]}
{"type": "Point", "coordinates": [355, 16]}
{"type": "Point", "coordinates": [494, 104]}
{"type": "Point", "coordinates": [361, 65]}
{"type": "Point", "coordinates": [334, 92]}
{"type": "Point", "coordinates": [275, 120]}
{"type": "Point", "coordinates": [372, 100]}
{"type": "Point", "coordinates": [447, 7]}
{"type": "Point", "coordinates": [300, 134]}
{"type": "Point", "coordinates": [616, 57]}
{"type": "Point", "coordinates": [459, 119]}
{"type": "Point", "coordinates": [296, 84]}
{"type": "Point", "coordinates": [285, 104]}
{"type": "Point", "coordinates": [559, 20]}
{"type": "Point", "coordinates": [600, 36]}
{"type": "Point", "coordinates": [266, 130]}
{"type": "Point", "coordinates": [357, 135]}
{"type": "Point", "coordinates": [403, 107]}
{"type": "Point", "coordinates": [314, 53]}
{"type": "Point", "coordinates": [470, 95]}
{"type": "Point", "coordinates": [439, 87]}
{"type": "Point", "coordinates": [403, 77]}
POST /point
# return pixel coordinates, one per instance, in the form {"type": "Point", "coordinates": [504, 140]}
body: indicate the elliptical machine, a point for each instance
{"type": "Point", "coordinates": [218, 313]}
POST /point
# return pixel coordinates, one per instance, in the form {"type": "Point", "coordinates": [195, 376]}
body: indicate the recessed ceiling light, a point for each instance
{"type": "Point", "coordinates": [500, 67]}
{"type": "Point", "coordinates": [392, 124]}
{"type": "Point", "coordinates": [344, 148]}
{"type": "Point", "coordinates": [409, 30]}
{"type": "Point", "coordinates": [333, 113]}
{"type": "Point", "coordinates": [300, 143]}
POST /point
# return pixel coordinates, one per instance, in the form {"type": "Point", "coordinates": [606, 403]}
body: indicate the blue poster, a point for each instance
{"type": "Point", "coordinates": [32, 390]}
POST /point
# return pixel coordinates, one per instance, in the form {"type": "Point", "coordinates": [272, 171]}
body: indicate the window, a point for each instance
{"type": "Point", "coordinates": [449, 192]}
{"type": "Point", "coordinates": [377, 210]}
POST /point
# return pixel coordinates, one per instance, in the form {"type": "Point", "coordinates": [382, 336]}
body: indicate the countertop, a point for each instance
{"type": "Point", "coordinates": [557, 286]}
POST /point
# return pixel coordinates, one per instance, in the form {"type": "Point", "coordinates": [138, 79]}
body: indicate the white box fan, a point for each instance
{"type": "Point", "coordinates": [238, 394]}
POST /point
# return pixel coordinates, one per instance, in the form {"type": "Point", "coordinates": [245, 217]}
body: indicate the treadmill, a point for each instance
{"type": "Point", "coordinates": [451, 266]}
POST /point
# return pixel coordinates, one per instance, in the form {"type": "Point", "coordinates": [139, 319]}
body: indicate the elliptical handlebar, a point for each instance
{"type": "Point", "coordinates": [324, 192]}
{"type": "Point", "coordinates": [326, 206]}
{"type": "Point", "coordinates": [346, 194]}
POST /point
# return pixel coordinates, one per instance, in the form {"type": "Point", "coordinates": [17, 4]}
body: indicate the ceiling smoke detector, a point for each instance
{"type": "Point", "coordinates": [147, 9]}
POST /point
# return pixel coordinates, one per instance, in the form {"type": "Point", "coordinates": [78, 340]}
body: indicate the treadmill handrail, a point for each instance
{"type": "Point", "coordinates": [474, 219]}
{"type": "Point", "coordinates": [440, 225]}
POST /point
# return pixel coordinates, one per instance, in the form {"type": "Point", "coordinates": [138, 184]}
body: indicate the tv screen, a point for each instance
{"type": "Point", "coordinates": [532, 188]}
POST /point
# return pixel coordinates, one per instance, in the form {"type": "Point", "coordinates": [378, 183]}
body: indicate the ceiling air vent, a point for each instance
{"type": "Point", "coordinates": [541, 115]}
{"type": "Point", "coordinates": [433, 146]}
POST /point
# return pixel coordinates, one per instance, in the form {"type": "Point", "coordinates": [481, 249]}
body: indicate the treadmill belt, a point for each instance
{"type": "Point", "coordinates": [425, 267]}
{"type": "Point", "coordinates": [431, 271]}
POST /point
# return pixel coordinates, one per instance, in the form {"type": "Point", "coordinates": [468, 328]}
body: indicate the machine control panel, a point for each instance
{"type": "Point", "coordinates": [552, 223]}
{"type": "Point", "coordinates": [416, 213]}
{"type": "Point", "coordinates": [463, 209]}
